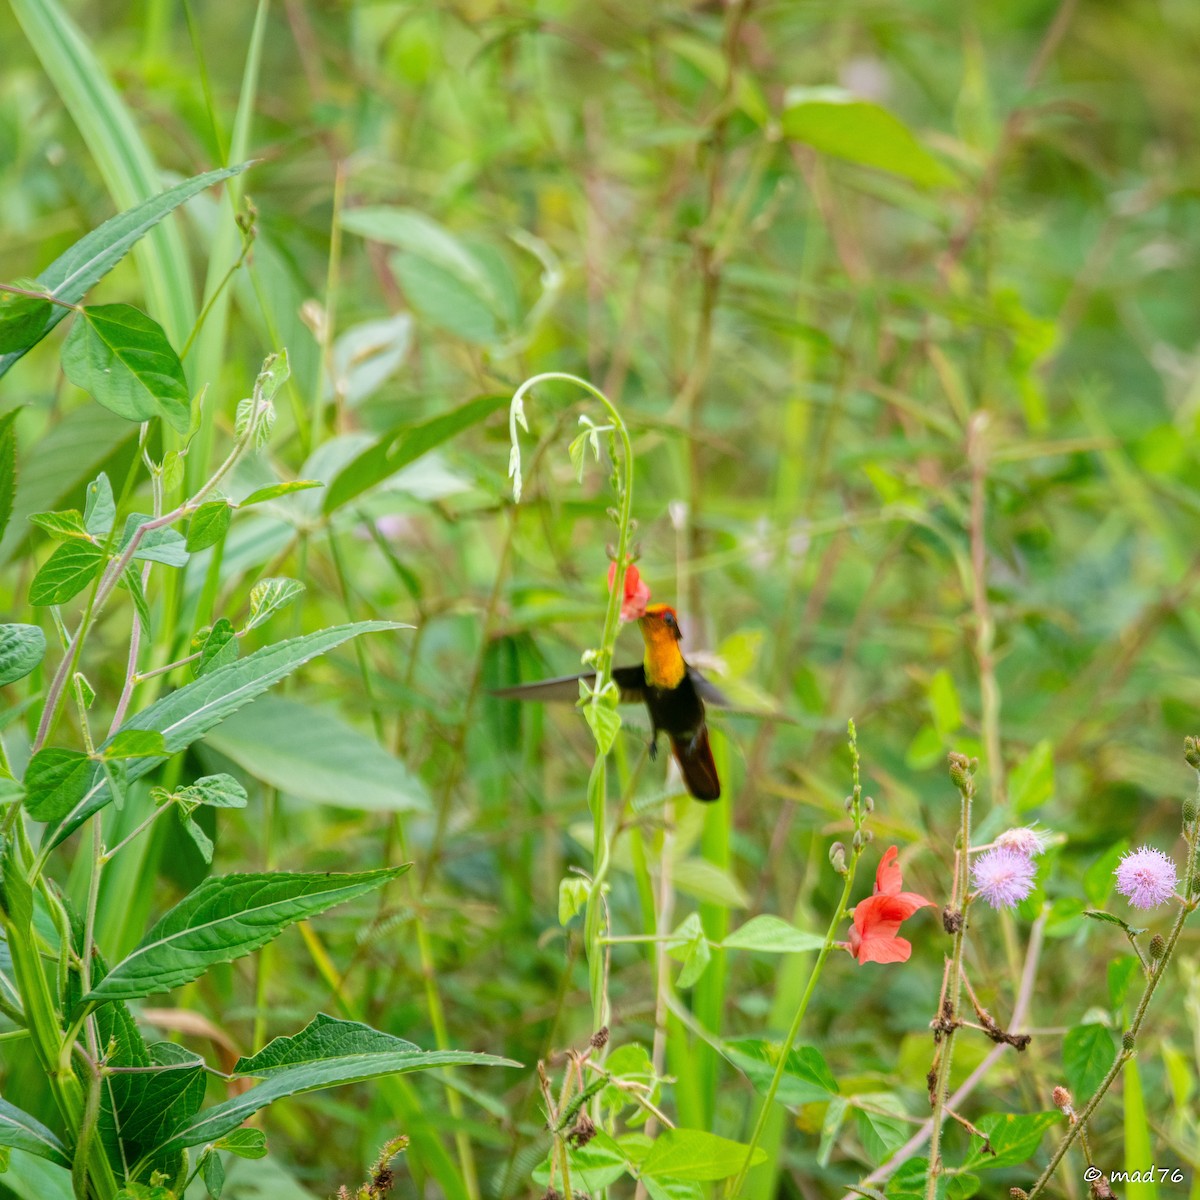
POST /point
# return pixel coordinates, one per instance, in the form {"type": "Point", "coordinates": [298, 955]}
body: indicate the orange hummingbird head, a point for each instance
{"type": "Point", "coordinates": [665, 667]}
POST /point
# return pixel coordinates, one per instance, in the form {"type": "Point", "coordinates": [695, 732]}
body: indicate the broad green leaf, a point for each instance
{"type": "Point", "coordinates": [22, 648]}
{"type": "Point", "coordinates": [8, 466]}
{"type": "Point", "coordinates": [245, 1143]}
{"type": "Point", "coordinates": [162, 544]}
{"type": "Point", "coordinates": [1087, 1053]}
{"type": "Point", "coordinates": [61, 525]}
{"type": "Point", "coordinates": [708, 882]}
{"type": "Point", "coordinates": [598, 1164]}
{"type": "Point", "coordinates": [22, 319]}
{"type": "Point", "coordinates": [831, 1126]}
{"type": "Point", "coordinates": [55, 781]}
{"type": "Point", "coordinates": [225, 918]}
{"type": "Point", "coordinates": [605, 723]}
{"type": "Point", "coordinates": [445, 299]}
{"type": "Point", "coordinates": [1032, 780]}
{"type": "Point", "coordinates": [70, 276]}
{"type": "Point", "coordinates": [213, 1174]}
{"type": "Point", "coordinates": [134, 743]}
{"type": "Point", "coordinates": [268, 596]}
{"type": "Point", "coordinates": [208, 525]}
{"type": "Point", "coordinates": [220, 648]}
{"type": "Point", "coordinates": [154, 1104]}
{"type": "Point", "coordinates": [806, 1078]}
{"type": "Point", "coordinates": [671, 1189]}
{"type": "Point", "coordinates": [65, 574]}
{"type": "Point", "coordinates": [20, 1131]}
{"type": "Point", "coordinates": [883, 1132]}
{"type": "Point", "coordinates": [317, 1064]}
{"type": "Point", "coordinates": [275, 490]}
{"type": "Point", "coordinates": [311, 753]}
{"type": "Point", "coordinates": [100, 508]}
{"type": "Point", "coordinates": [122, 358]}
{"type": "Point", "coordinates": [772, 935]}
{"type": "Point", "coordinates": [838, 123]}
{"type": "Point", "coordinates": [690, 947]}
{"type": "Point", "coordinates": [1014, 1138]}
{"type": "Point", "coordinates": [405, 444]}
{"type": "Point", "coordinates": [367, 355]}
{"type": "Point", "coordinates": [189, 713]}
{"type": "Point", "coordinates": [693, 1154]}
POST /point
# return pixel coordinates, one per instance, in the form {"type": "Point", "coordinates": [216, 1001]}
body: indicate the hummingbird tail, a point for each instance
{"type": "Point", "coordinates": [695, 761]}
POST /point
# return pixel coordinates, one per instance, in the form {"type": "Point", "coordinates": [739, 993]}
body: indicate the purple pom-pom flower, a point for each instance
{"type": "Point", "coordinates": [1146, 877]}
{"type": "Point", "coordinates": [1003, 876]}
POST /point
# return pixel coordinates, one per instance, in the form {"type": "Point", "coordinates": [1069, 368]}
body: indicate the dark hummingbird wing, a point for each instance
{"type": "Point", "coordinates": [695, 760]}
{"type": "Point", "coordinates": [631, 681]}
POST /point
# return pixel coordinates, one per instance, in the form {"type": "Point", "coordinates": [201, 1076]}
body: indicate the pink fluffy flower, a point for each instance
{"type": "Point", "coordinates": [1003, 876]}
{"type": "Point", "coordinates": [1146, 877]}
{"type": "Point", "coordinates": [1025, 839]}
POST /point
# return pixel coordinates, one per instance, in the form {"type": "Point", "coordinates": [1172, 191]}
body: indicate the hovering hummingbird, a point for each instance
{"type": "Point", "coordinates": [673, 692]}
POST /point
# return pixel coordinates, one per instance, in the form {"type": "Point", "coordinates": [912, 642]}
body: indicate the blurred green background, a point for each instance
{"type": "Point", "coordinates": [913, 373]}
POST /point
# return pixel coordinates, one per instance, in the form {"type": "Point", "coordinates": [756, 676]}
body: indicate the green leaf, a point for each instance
{"type": "Point", "coordinates": [1122, 971]}
{"type": "Point", "coordinates": [1098, 914]}
{"type": "Point", "coordinates": [1032, 780]}
{"type": "Point", "coordinates": [154, 1104]}
{"type": "Point", "coordinates": [8, 466]}
{"type": "Point", "coordinates": [220, 648]}
{"type": "Point", "coordinates": [208, 525]}
{"type": "Point", "coordinates": [55, 781]}
{"type": "Point", "coordinates": [275, 490]}
{"type": "Point", "coordinates": [201, 840]}
{"type": "Point", "coordinates": [217, 791]}
{"type": "Point", "coordinates": [837, 123]}
{"type": "Point", "coordinates": [70, 276]}
{"type": "Point", "coordinates": [162, 544]}
{"type": "Point", "coordinates": [225, 918]}
{"type": "Point", "coordinates": [20, 1131]}
{"type": "Point", "coordinates": [213, 1174]}
{"type": "Point", "coordinates": [572, 896]}
{"type": "Point", "coordinates": [22, 319]}
{"type": "Point", "coordinates": [405, 444]}
{"type": "Point", "coordinates": [709, 883]}
{"type": "Point", "coordinates": [22, 648]}
{"type": "Point", "coordinates": [605, 723]}
{"type": "Point", "coordinates": [772, 935]}
{"type": "Point", "coordinates": [134, 743]}
{"type": "Point", "coordinates": [693, 1154]}
{"type": "Point", "coordinates": [131, 581]}
{"type": "Point", "coordinates": [599, 1164]}
{"type": "Point", "coordinates": [806, 1078]}
{"type": "Point", "coordinates": [690, 947]}
{"type": "Point", "coordinates": [1098, 879]}
{"type": "Point", "coordinates": [268, 596]}
{"type": "Point", "coordinates": [326, 1053]}
{"type": "Point", "coordinates": [1013, 1136]}
{"type": "Point", "coordinates": [944, 707]}
{"type": "Point", "coordinates": [189, 713]}
{"type": "Point", "coordinates": [1087, 1053]}
{"type": "Point", "coordinates": [122, 358]}
{"type": "Point", "coordinates": [100, 509]}
{"type": "Point", "coordinates": [311, 753]}
{"type": "Point", "coordinates": [245, 1143]}
{"type": "Point", "coordinates": [884, 1132]}
{"type": "Point", "coordinates": [61, 525]}
{"type": "Point", "coordinates": [66, 573]}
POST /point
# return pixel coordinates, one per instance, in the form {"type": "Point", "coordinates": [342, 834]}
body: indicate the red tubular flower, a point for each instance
{"type": "Point", "coordinates": [637, 593]}
{"type": "Point", "coordinates": [877, 918]}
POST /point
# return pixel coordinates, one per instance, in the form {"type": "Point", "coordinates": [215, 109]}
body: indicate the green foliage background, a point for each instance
{"type": "Point", "coordinates": [858, 369]}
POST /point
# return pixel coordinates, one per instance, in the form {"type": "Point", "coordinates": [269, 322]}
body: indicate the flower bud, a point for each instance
{"type": "Point", "coordinates": [1128, 1041]}
{"type": "Point", "coordinates": [869, 804]}
{"type": "Point", "coordinates": [848, 803]}
{"type": "Point", "coordinates": [960, 771]}
{"type": "Point", "coordinates": [1158, 947]}
{"type": "Point", "coordinates": [857, 839]}
{"type": "Point", "coordinates": [1018, 1194]}
{"type": "Point", "coordinates": [1191, 752]}
{"type": "Point", "coordinates": [837, 857]}
{"type": "Point", "coordinates": [1190, 810]}
{"type": "Point", "coordinates": [1062, 1099]}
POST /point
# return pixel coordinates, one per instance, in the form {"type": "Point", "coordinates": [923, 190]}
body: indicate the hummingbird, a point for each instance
{"type": "Point", "coordinates": [673, 692]}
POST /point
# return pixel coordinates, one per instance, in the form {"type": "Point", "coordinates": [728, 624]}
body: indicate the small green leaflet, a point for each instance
{"type": "Point", "coordinates": [217, 791]}
{"type": "Point", "coordinates": [123, 359]}
{"type": "Point", "coordinates": [55, 781]}
{"type": "Point", "coordinates": [275, 490]}
{"type": "Point", "coordinates": [219, 650]}
{"type": "Point", "coordinates": [208, 525]}
{"type": "Point", "coordinates": [689, 946]}
{"type": "Point", "coordinates": [162, 544]}
{"type": "Point", "coordinates": [572, 896]}
{"type": "Point", "coordinates": [225, 918]}
{"type": "Point", "coordinates": [100, 508]}
{"type": "Point", "coordinates": [22, 648]}
{"type": "Point", "coordinates": [68, 524]}
{"type": "Point", "coordinates": [1087, 1053]}
{"type": "Point", "coordinates": [604, 722]}
{"type": "Point", "coordinates": [22, 319]}
{"type": "Point", "coordinates": [245, 1143]}
{"type": "Point", "coordinates": [66, 573]}
{"type": "Point", "coordinates": [134, 743]}
{"type": "Point", "coordinates": [131, 581]}
{"type": "Point", "coordinates": [268, 596]}
{"type": "Point", "coordinates": [772, 935]}
{"type": "Point", "coordinates": [693, 1154]}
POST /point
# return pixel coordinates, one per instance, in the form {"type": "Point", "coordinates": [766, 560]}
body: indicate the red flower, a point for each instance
{"type": "Point", "coordinates": [877, 918]}
{"type": "Point", "coordinates": [636, 592]}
